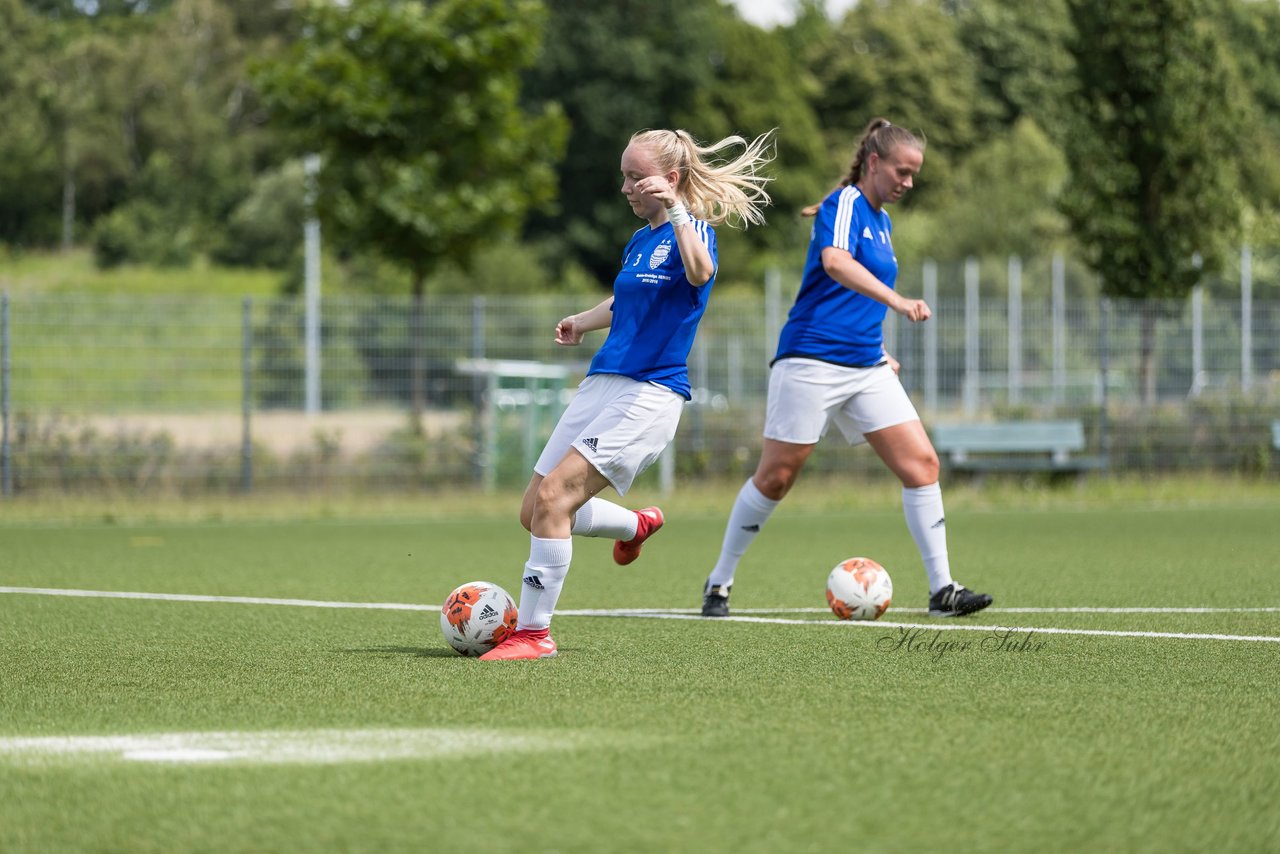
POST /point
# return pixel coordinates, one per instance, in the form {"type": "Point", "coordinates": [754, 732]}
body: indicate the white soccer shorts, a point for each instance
{"type": "Point", "coordinates": [806, 395]}
{"type": "Point", "coordinates": [619, 424]}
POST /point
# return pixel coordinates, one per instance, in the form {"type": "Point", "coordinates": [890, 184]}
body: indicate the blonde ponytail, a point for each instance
{"type": "Point", "coordinates": [712, 188]}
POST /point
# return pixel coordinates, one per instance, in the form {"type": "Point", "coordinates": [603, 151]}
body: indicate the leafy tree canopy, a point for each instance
{"type": "Point", "coordinates": [615, 68]}
{"type": "Point", "coordinates": [901, 59]}
{"type": "Point", "coordinates": [1150, 143]}
{"type": "Point", "coordinates": [413, 108]}
{"type": "Point", "coordinates": [1023, 67]}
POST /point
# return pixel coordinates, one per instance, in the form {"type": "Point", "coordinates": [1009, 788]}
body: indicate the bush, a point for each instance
{"type": "Point", "coordinates": [265, 229]}
{"type": "Point", "coordinates": [142, 232]}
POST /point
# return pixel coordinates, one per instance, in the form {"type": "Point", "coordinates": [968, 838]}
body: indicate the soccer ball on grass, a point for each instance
{"type": "Point", "coordinates": [859, 589]}
{"type": "Point", "coordinates": [477, 616]}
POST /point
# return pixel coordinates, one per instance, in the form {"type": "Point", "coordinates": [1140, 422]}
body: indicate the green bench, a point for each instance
{"type": "Point", "coordinates": [1015, 446]}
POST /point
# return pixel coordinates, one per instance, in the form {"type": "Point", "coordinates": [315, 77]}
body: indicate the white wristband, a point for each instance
{"type": "Point", "coordinates": [678, 215]}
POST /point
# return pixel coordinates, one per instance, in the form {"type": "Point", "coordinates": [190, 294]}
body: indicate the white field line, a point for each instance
{"type": "Point", "coordinates": [321, 746]}
{"type": "Point", "coordinates": [600, 612]}
{"type": "Point", "coordinates": [235, 600]}
{"type": "Point", "coordinates": [586, 612]}
{"type": "Point", "coordinates": [691, 614]}
{"type": "Point", "coordinates": [941, 625]}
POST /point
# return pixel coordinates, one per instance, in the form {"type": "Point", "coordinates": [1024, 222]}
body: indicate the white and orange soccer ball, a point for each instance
{"type": "Point", "coordinates": [859, 589]}
{"type": "Point", "coordinates": [477, 616]}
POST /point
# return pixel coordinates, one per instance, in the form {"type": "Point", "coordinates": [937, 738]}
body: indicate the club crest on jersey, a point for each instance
{"type": "Point", "coordinates": [660, 254]}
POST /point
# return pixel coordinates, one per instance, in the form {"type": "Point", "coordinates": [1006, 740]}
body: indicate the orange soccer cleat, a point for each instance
{"type": "Point", "coordinates": [524, 645]}
{"type": "Point", "coordinates": [649, 521]}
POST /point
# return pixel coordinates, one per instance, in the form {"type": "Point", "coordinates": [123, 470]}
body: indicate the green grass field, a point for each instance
{"type": "Point", "coordinates": [274, 727]}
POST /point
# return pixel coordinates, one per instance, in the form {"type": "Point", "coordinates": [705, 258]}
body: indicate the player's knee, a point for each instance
{"type": "Point", "coordinates": [775, 482]}
{"type": "Point", "coordinates": [930, 468]}
{"type": "Point", "coordinates": [922, 471]}
{"type": "Point", "coordinates": [551, 498]}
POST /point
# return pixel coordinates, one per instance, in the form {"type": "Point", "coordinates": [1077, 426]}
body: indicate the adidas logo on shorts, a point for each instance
{"type": "Point", "coordinates": [591, 443]}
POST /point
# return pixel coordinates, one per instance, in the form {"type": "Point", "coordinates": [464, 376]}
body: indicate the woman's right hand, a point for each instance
{"type": "Point", "coordinates": [568, 331]}
{"type": "Point", "coordinates": [914, 310]}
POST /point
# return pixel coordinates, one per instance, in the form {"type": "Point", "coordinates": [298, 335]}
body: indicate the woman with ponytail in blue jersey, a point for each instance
{"type": "Point", "coordinates": [831, 366]}
{"type": "Point", "coordinates": [626, 410]}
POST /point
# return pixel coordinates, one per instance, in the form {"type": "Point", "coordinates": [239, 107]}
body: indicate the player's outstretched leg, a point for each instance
{"type": "Point", "coordinates": [956, 600]}
{"type": "Point", "coordinates": [648, 522]}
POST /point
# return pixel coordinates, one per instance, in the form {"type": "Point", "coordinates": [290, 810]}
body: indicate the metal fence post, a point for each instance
{"type": "Point", "coordinates": [930, 293]}
{"type": "Point", "coordinates": [700, 380]}
{"type": "Point", "coordinates": [1198, 380]}
{"type": "Point", "coordinates": [1104, 364]}
{"type": "Point", "coordinates": [311, 291]}
{"type": "Point", "coordinates": [1059, 314]}
{"type": "Point", "coordinates": [1015, 329]}
{"type": "Point", "coordinates": [772, 310]}
{"type": "Point", "coordinates": [1246, 318]}
{"type": "Point", "coordinates": [485, 425]}
{"type": "Point", "coordinates": [6, 461]}
{"type": "Point", "coordinates": [972, 365]}
{"type": "Point", "coordinates": [733, 368]}
{"type": "Point", "coordinates": [246, 404]}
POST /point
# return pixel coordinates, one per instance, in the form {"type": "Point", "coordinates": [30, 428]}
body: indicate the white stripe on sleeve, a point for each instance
{"type": "Point", "coordinates": [844, 218]}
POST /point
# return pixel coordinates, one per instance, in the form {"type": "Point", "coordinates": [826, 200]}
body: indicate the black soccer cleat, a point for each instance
{"type": "Point", "coordinates": [956, 600]}
{"type": "Point", "coordinates": [715, 600]}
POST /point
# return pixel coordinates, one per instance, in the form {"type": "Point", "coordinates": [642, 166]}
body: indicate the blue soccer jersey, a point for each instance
{"type": "Point", "coordinates": [655, 310]}
{"type": "Point", "coordinates": [829, 321]}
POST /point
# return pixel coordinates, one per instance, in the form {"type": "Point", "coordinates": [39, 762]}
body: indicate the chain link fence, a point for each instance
{"type": "Point", "coordinates": [197, 394]}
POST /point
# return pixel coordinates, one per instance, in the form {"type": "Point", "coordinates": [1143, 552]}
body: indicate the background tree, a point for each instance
{"type": "Point", "coordinates": [414, 110]}
{"type": "Point", "coordinates": [901, 59]}
{"type": "Point", "coordinates": [613, 68]}
{"type": "Point", "coordinates": [28, 164]}
{"type": "Point", "coordinates": [81, 116]}
{"type": "Point", "coordinates": [1022, 64]}
{"type": "Point", "coordinates": [1151, 148]}
{"type": "Point", "coordinates": [97, 10]}
{"type": "Point", "coordinates": [757, 85]}
{"type": "Point", "coordinates": [1000, 201]}
{"type": "Point", "coordinates": [1253, 33]}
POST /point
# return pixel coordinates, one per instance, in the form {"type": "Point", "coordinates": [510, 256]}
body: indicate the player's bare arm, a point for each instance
{"type": "Point", "coordinates": [570, 330]}
{"type": "Point", "coordinates": [842, 267]}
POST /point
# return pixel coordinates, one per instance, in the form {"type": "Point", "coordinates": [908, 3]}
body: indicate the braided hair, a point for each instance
{"type": "Point", "coordinates": [880, 138]}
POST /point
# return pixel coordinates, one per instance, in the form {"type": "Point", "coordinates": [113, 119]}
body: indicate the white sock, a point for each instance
{"type": "Point", "coordinates": [750, 511]}
{"type": "Point", "coordinates": [922, 506]}
{"type": "Point", "coordinates": [543, 578]}
{"type": "Point", "coordinates": [600, 518]}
